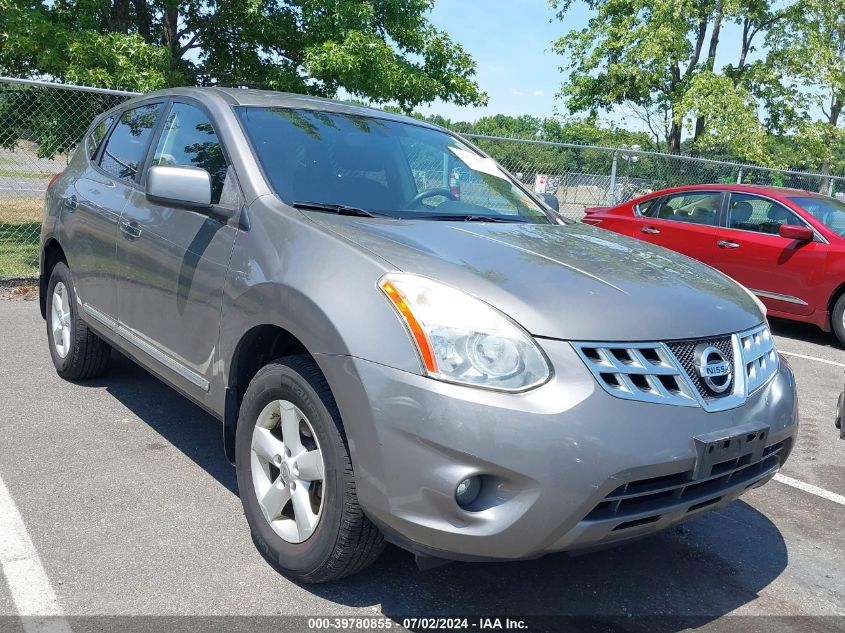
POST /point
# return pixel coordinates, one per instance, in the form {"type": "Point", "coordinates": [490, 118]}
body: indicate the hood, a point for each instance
{"type": "Point", "coordinates": [573, 282]}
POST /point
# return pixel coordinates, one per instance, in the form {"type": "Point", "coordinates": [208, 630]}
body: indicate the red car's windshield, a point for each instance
{"type": "Point", "coordinates": [828, 211]}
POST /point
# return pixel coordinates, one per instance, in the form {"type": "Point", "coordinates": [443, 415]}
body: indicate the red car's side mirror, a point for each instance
{"type": "Point", "coordinates": [793, 232]}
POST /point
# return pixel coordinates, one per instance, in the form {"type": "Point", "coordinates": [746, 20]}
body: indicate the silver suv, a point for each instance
{"type": "Point", "coordinates": [402, 342]}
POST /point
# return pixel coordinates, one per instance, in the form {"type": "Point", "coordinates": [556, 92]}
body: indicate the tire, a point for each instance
{"type": "Point", "coordinates": [341, 541]}
{"type": "Point", "coordinates": [836, 320]}
{"type": "Point", "coordinates": [77, 353]}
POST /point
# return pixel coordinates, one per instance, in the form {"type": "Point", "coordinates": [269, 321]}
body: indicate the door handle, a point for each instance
{"type": "Point", "coordinates": [650, 229]}
{"type": "Point", "coordinates": [727, 244]}
{"type": "Point", "coordinates": [71, 203]}
{"type": "Point", "coordinates": [130, 229]}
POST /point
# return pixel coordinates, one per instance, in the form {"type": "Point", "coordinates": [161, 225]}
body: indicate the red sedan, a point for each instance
{"type": "Point", "coordinates": [785, 245]}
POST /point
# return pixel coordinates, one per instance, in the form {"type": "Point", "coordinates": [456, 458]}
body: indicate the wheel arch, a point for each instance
{"type": "Point", "coordinates": [834, 297]}
{"type": "Point", "coordinates": [258, 346]}
{"type": "Point", "coordinates": [51, 254]}
{"type": "Point", "coordinates": [271, 319]}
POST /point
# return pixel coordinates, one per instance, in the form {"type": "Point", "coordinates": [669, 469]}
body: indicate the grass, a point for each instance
{"type": "Point", "coordinates": [24, 173]}
{"type": "Point", "coordinates": [18, 210]}
{"type": "Point", "coordinates": [20, 228]}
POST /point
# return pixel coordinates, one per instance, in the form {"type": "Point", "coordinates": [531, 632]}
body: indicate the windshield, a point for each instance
{"type": "Point", "coordinates": [828, 211]}
{"type": "Point", "coordinates": [384, 167]}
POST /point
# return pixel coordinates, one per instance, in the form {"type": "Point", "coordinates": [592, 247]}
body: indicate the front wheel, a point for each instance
{"type": "Point", "coordinates": [76, 351]}
{"type": "Point", "coordinates": [295, 476]}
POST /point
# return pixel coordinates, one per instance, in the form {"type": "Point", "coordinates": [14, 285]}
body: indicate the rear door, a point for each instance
{"type": "Point", "coordinates": [92, 206]}
{"type": "Point", "coordinates": [684, 222]}
{"type": "Point", "coordinates": [172, 261]}
{"type": "Point", "coordinates": [626, 218]}
{"type": "Point", "coordinates": [783, 272]}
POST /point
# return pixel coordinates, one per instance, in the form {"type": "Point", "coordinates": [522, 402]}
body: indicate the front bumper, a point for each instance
{"type": "Point", "coordinates": [565, 466]}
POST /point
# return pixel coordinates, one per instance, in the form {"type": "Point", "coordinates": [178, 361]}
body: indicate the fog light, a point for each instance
{"type": "Point", "coordinates": [467, 491]}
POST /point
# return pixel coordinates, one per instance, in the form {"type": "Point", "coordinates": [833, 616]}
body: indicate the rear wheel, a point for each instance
{"type": "Point", "coordinates": [76, 351]}
{"type": "Point", "coordinates": [295, 476]}
{"type": "Point", "coordinates": [837, 319]}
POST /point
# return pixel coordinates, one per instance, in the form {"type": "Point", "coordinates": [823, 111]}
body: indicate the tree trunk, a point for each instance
{"type": "Point", "coordinates": [836, 106]}
{"type": "Point", "coordinates": [747, 36]}
{"type": "Point", "coordinates": [711, 62]}
{"type": "Point", "coordinates": [673, 136]}
{"type": "Point", "coordinates": [673, 139]}
{"type": "Point", "coordinates": [170, 24]}
{"type": "Point", "coordinates": [142, 12]}
{"type": "Point", "coordinates": [119, 17]}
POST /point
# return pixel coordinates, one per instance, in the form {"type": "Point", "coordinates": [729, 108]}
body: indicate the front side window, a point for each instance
{"type": "Point", "coordinates": [828, 211]}
{"type": "Point", "coordinates": [188, 139]}
{"type": "Point", "coordinates": [761, 215]}
{"type": "Point", "coordinates": [387, 167]}
{"type": "Point", "coordinates": [127, 144]}
{"type": "Point", "coordinates": [694, 207]}
{"type": "Point", "coordinates": [97, 135]}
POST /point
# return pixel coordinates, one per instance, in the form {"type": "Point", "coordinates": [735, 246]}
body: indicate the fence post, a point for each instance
{"type": "Point", "coordinates": [830, 188]}
{"type": "Point", "coordinates": [739, 177]}
{"type": "Point", "coordinates": [613, 178]}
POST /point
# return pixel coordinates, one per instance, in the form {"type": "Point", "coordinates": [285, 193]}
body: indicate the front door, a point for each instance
{"type": "Point", "coordinates": [172, 261]}
{"type": "Point", "coordinates": [783, 272]}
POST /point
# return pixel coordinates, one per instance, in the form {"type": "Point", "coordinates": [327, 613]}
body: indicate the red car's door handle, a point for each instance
{"type": "Point", "coordinates": [649, 229]}
{"type": "Point", "coordinates": [727, 244]}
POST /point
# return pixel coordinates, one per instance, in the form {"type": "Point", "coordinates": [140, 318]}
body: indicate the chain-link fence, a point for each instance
{"type": "Point", "coordinates": [41, 123]}
{"type": "Point", "coordinates": [584, 176]}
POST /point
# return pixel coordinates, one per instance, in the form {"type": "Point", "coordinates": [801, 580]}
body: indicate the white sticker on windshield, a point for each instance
{"type": "Point", "coordinates": [478, 163]}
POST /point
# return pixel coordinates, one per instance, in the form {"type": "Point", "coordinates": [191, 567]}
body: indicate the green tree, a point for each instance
{"type": "Point", "coordinates": [382, 50]}
{"type": "Point", "coordinates": [659, 58]}
{"type": "Point", "coordinates": [807, 53]}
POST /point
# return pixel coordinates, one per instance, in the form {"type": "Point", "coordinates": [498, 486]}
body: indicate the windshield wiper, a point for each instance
{"type": "Point", "coordinates": [340, 209]}
{"type": "Point", "coordinates": [457, 217]}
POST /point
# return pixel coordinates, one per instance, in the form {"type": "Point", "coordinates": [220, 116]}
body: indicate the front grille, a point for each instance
{"type": "Point", "coordinates": [684, 351]}
{"type": "Point", "coordinates": [644, 501]}
{"type": "Point", "coordinates": [637, 371]}
{"type": "Point", "coordinates": [666, 372]}
{"type": "Point", "coordinates": [759, 356]}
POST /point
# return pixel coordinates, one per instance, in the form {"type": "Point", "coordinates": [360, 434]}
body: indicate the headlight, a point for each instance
{"type": "Point", "coordinates": [462, 339]}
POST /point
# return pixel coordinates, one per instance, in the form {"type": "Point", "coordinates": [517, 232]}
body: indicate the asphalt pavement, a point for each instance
{"type": "Point", "coordinates": [133, 511]}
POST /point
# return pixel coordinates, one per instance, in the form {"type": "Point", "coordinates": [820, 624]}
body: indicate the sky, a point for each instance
{"type": "Point", "coordinates": [511, 42]}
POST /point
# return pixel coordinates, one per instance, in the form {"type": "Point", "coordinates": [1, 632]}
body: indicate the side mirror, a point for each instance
{"type": "Point", "coordinates": [551, 200]}
{"type": "Point", "coordinates": [792, 232]}
{"type": "Point", "coordinates": [179, 186]}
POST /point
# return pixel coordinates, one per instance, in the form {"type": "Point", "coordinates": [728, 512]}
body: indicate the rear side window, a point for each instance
{"type": "Point", "coordinates": [188, 139]}
{"type": "Point", "coordinates": [92, 143]}
{"type": "Point", "coordinates": [126, 146]}
{"type": "Point", "coordinates": [693, 207]}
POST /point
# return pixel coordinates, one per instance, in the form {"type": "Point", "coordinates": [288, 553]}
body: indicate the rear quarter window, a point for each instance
{"type": "Point", "coordinates": [647, 207]}
{"type": "Point", "coordinates": [92, 143]}
{"type": "Point", "coordinates": [127, 144]}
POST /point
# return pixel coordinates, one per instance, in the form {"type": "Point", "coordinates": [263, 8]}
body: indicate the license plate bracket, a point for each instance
{"type": "Point", "coordinates": [735, 443]}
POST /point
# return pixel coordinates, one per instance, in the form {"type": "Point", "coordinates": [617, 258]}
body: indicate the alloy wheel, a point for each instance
{"type": "Point", "coordinates": [287, 471]}
{"type": "Point", "coordinates": [60, 321]}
